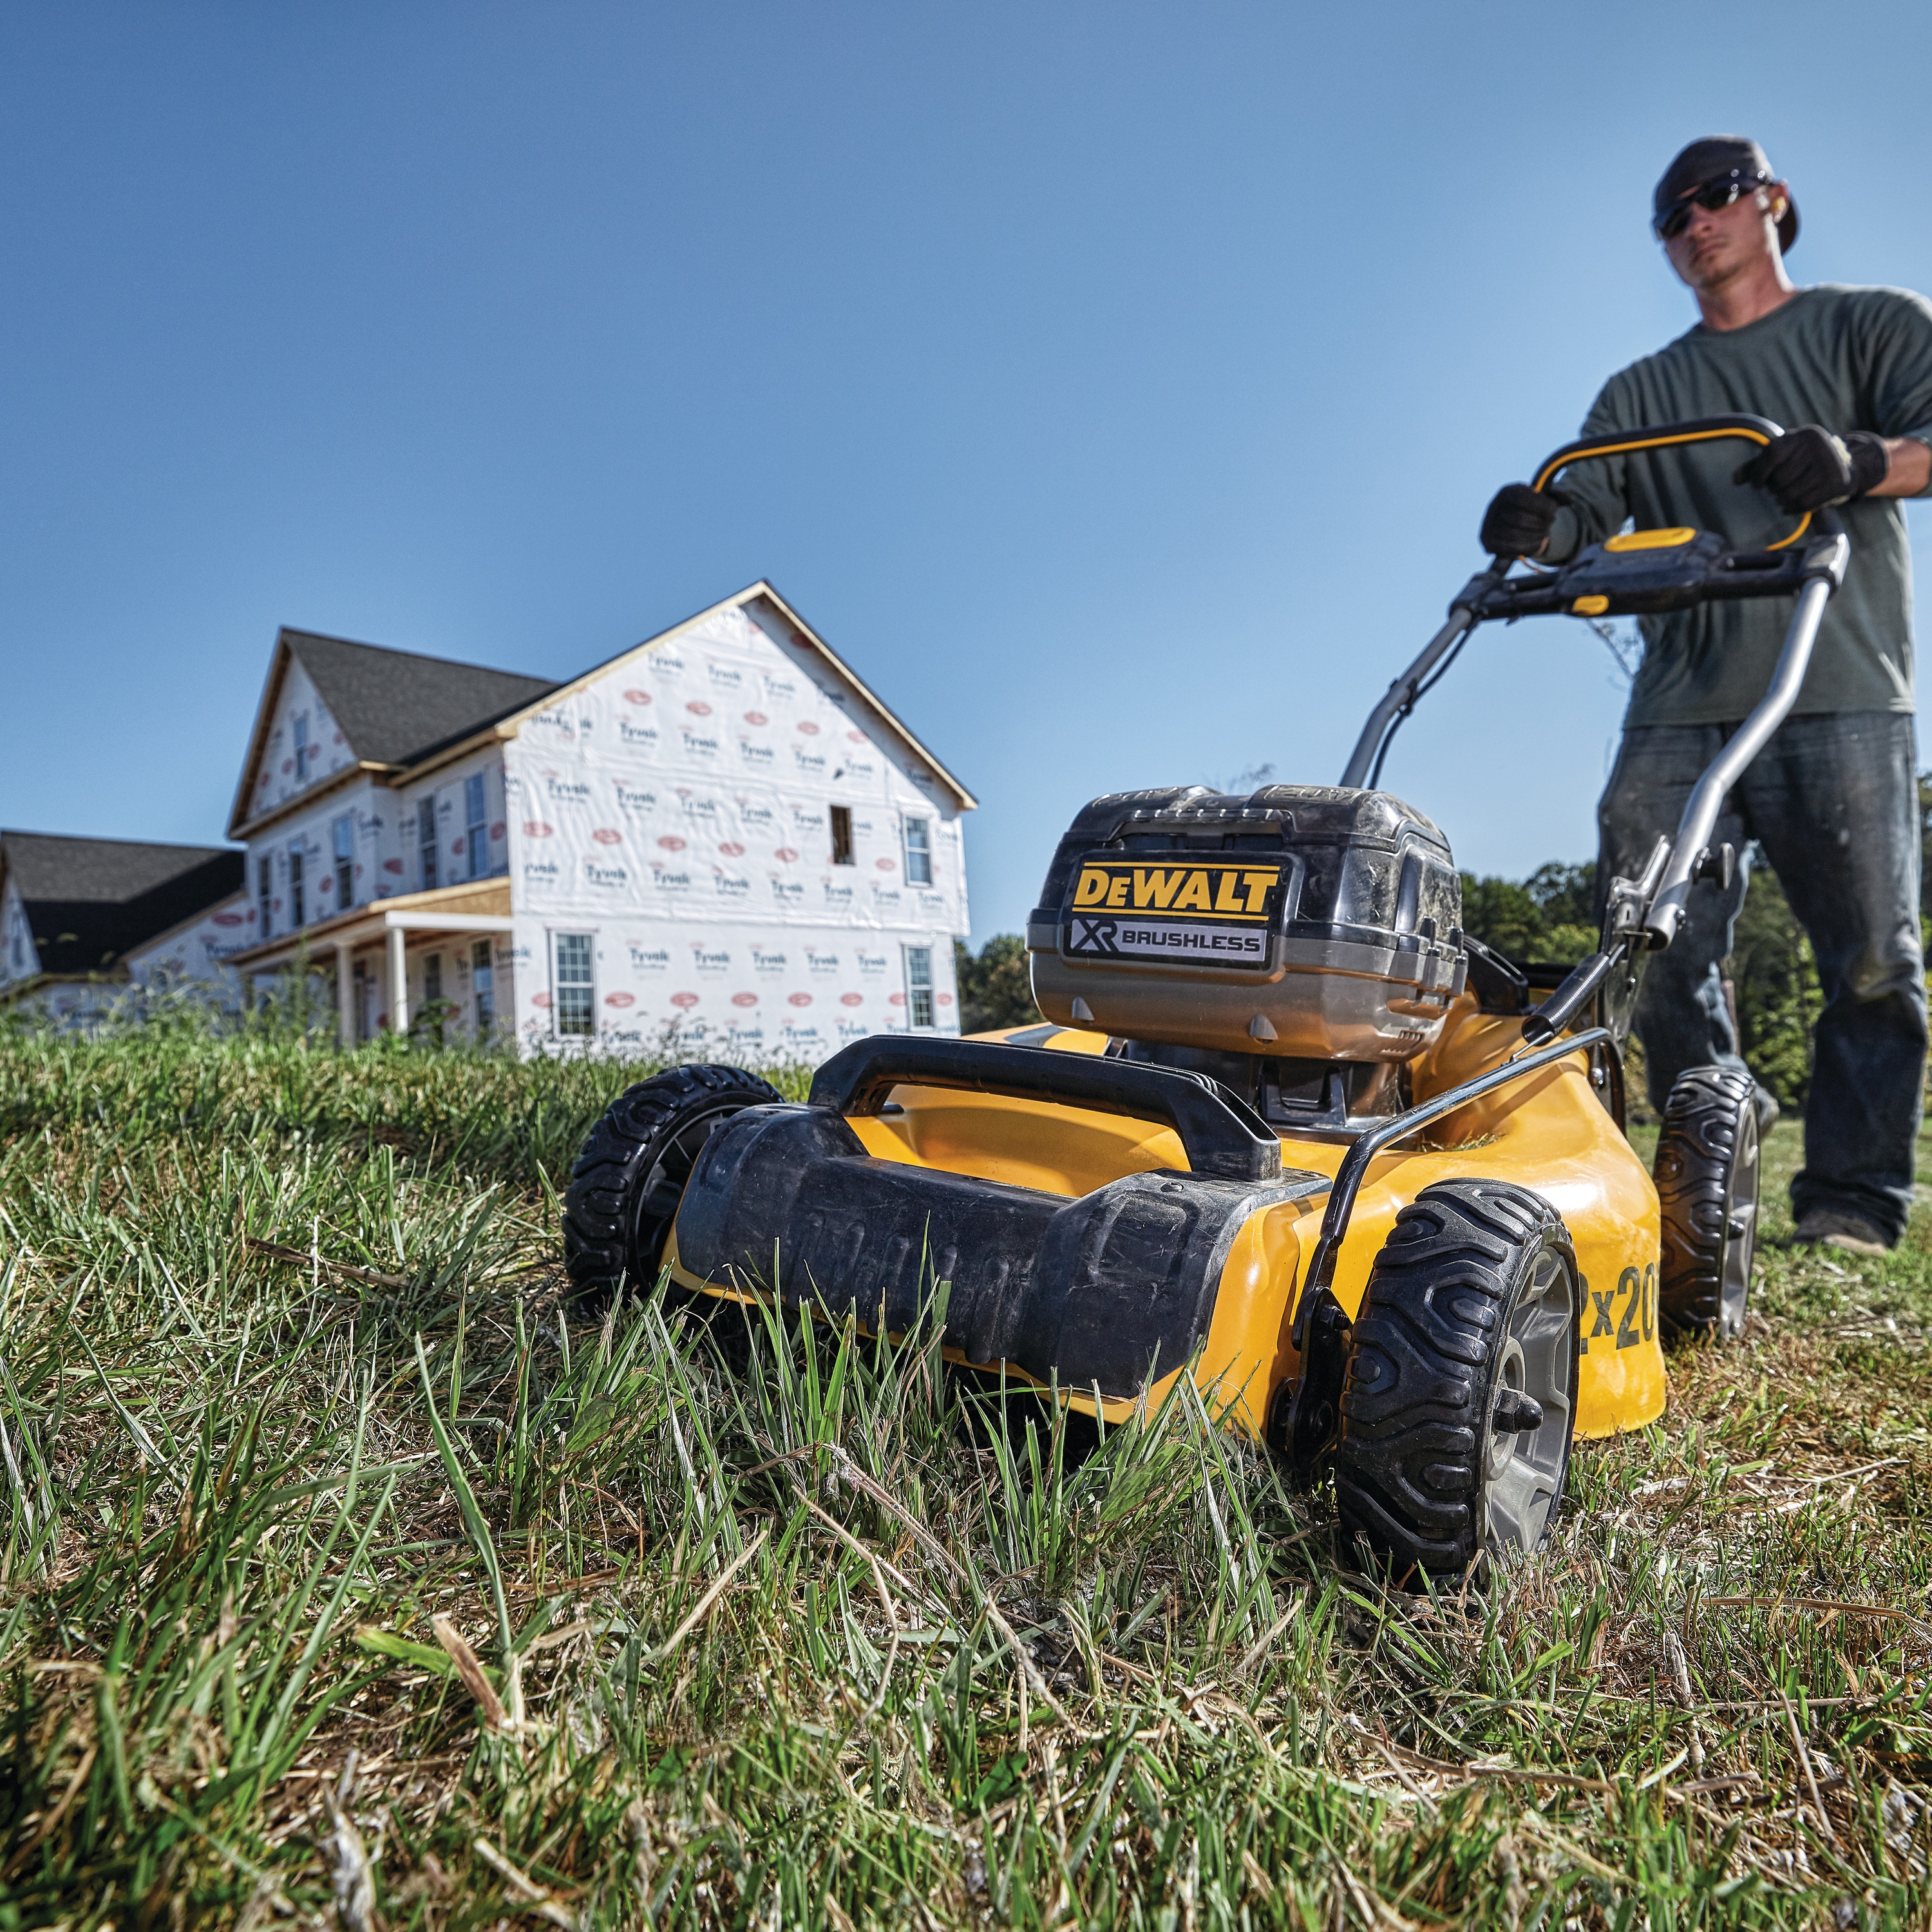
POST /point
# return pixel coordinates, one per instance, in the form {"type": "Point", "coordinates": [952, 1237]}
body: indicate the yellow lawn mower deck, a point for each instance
{"type": "Point", "coordinates": [1289, 1130]}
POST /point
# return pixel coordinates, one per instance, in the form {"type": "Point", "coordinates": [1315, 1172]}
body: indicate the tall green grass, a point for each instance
{"type": "Point", "coordinates": [346, 1577]}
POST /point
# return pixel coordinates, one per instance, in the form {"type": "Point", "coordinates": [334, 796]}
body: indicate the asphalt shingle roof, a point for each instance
{"type": "Point", "coordinates": [89, 901]}
{"type": "Point", "coordinates": [395, 707]}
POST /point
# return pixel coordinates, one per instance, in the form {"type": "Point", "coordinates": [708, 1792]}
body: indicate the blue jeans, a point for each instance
{"type": "Point", "coordinates": [1832, 801]}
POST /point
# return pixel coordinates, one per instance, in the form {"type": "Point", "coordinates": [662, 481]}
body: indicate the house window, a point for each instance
{"type": "Point", "coordinates": [841, 834]}
{"type": "Point", "coordinates": [432, 977]}
{"type": "Point", "coordinates": [297, 902]}
{"type": "Point", "coordinates": [426, 841]}
{"type": "Point", "coordinates": [919, 985]}
{"type": "Point", "coordinates": [483, 979]}
{"type": "Point", "coordinates": [476, 826]}
{"type": "Point", "coordinates": [345, 862]}
{"type": "Point", "coordinates": [573, 990]}
{"type": "Point", "coordinates": [919, 851]}
{"type": "Point", "coordinates": [302, 749]}
{"type": "Point", "coordinates": [264, 890]}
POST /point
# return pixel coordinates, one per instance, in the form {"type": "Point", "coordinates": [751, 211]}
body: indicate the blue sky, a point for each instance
{"type": "Point", "coordinates": [1118, 388]}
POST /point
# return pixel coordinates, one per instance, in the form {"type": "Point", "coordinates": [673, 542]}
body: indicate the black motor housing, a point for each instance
{"type": "Point", "coordinates": [1310, 923]}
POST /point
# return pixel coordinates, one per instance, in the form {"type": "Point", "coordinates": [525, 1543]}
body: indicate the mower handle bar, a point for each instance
{"type": "Point", "coordinates": [1820, 572]}
{"type": "Point", "coordinates": [1467, 611]}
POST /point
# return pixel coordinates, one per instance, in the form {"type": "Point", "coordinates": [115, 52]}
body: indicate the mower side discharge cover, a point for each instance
{"type": "Point", "coordinates": [1102, 1289]}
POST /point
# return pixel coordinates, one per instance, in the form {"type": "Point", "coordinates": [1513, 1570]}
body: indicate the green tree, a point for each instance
{"type": "Point", "coordinates": [1549, 917]}
{"type": "Point", "coordinates": [995, 988]}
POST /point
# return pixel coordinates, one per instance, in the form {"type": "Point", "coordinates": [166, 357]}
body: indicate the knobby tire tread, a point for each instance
{"type": "Point", "coordinates": [1407, 1466]}
{"type": "Point", "coordinates": [1696, 1147]}
{"type": "Point", "coordinates": [618, 1156]}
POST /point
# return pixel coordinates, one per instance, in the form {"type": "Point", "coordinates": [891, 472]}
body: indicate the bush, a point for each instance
{"type": "Point", "coordinates": [995, 989]}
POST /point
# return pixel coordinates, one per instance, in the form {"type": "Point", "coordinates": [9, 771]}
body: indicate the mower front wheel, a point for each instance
{"type": "Point", "coordinates": [624, 1189]}
{"type": "Point", "coordinates": [1707, 1173]}
{"type": "Point", "coordinates": [1460, 1399]}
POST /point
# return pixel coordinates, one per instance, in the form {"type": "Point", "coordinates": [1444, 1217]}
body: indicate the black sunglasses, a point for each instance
{"type": "Point", "coordinates": [1712, 195]}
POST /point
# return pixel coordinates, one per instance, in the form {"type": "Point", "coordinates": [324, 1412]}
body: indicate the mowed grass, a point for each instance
{"type": "Point", "coordinates": [348, 1578]}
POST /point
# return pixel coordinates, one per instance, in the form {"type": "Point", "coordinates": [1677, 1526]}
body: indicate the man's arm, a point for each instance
{"type": "Point", "coordinates": [1908, 468]}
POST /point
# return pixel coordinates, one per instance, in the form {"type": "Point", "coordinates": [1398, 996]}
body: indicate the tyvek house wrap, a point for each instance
{"type": "Point", "coordinates": [678, 811]}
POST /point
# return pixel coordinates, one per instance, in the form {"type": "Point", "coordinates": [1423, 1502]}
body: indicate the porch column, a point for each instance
{"type": "Point", "coordinates": [345, 997]}
{"type": "Point", "coordinates": [399, 985]}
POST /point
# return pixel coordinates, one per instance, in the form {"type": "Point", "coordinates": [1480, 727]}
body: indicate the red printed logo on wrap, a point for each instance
{"type": "Point", "coordinates": [731, 851]}
{"type": "Point", "coordinates": [637, 697]}
{"type": "Point", "coordinates": [851, 999]}
{"type": "Point", "coordinates": [698, 708]}
{"type": "Point", "coordinates": [686, 1001]}
{"type": "Point", "coordinates": [744, 999]}
{"type": "Point", "coordinates": [228, 919]}
{"type": "Point", "coordinates": [393, 865]}
{"type": "Point", "coordinates": [620, 999]}
{"type": "Point", "coordinates": [671, 842]}
{"type": "Point", "coordinates": [756, 718]}
{"type": "Point", "coordinates": [607, 835]}
{"type": "Point", "coordinates": [535, 828]}
{"type": "Point", "coordinates": [785, 853]}
{"type": "Point", "coordinates": [810, 730]}
{"type": "Point", "coordinates": [801, 999]}
{"type": "Point", "coordinates": [898, 999]}
{"type": "Point", "coordinates": [540, 999]}
{"type": "Point", "coordinates": [885, 864]}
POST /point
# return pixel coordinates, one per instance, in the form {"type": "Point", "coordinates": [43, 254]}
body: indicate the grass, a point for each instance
{"type": "Point", "coordinates": [344, 1579]}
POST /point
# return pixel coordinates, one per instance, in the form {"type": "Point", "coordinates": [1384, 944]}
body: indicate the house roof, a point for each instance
{"type": "Point", "coordinates": [394, 707]}
{"type": "Point", "coordinates": [88, 901]}
{"type": "Point", "coordinates": [397, 706]}
{"type": "Point", "coordinates": [398, 709]}
{"type": "Point", "coordinates": [761, 599]}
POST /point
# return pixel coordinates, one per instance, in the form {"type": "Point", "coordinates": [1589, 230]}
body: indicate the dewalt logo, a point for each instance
{"type": "Point", "coordinates": [1209, 913]}
{"type": "Point", "coordinates": [1225, 890]}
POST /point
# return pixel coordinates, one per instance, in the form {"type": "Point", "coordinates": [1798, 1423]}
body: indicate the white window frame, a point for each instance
{"type": "Point", "coordinates": [558, 983]}
{"type": "Point", "coordinates": [918, 849]}
{"type": "Point", "coordinates": [483, 984]}
{"type": "Point", "coordinates": [476, 825]}
{"type": "Point", "coordinates": [428, 855]}
{"type": "Point", "coordinates": [915, 988]}
{"type": "Point", "coordinates": [342, 834]}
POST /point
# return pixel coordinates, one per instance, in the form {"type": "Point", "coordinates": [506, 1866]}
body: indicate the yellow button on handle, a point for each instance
{"type": "Point", "coordinates": [1590, 606]}
{"type": "Point", "coordinates": [1670, 539]}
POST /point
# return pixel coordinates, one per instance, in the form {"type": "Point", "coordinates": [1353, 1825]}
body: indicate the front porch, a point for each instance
{"type": "Point", "coordinates": [453, 931]}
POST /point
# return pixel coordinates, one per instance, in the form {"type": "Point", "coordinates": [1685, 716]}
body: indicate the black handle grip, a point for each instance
{"type": "Point", "coordinates": [1222, 1134]}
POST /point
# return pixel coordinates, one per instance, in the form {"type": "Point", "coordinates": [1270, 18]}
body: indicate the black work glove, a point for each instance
{"type": "Point", "coordinates": [1806, 468]}
{"type": "Point", "coordinates": [1517, 522]}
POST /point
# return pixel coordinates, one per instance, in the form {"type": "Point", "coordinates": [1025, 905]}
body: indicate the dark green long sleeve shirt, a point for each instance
{"type": "Point", "coordinates": [1850, 358]}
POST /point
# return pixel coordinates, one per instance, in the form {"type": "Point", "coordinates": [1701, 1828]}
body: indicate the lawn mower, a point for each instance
{"type": "Point", "coordinates": [1289, 1130]}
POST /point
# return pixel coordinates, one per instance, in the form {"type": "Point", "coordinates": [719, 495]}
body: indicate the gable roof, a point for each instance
{"type": "Point", "coordinates": [397, 706]}
{"type": "Point", "coordinates": [398, 709]}
{"type": "Point", "coordinates": [89, 901]}
{"type": "Point", "coordinates": [780, 616]}
{"type": "Point", "coordinates": [394, 707]}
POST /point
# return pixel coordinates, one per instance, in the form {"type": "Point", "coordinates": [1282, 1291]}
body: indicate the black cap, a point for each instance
{"type": "Point", "coordinates": [1709, 159]}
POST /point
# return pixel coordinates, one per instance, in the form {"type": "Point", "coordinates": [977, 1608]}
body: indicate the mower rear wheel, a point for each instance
{"type": "Point", "coordinates": [624, 1189]}
{"type": "Point", "coordinates": [1707, 1176]}
{"type": "Point", "coordinates": [1460, 1400]}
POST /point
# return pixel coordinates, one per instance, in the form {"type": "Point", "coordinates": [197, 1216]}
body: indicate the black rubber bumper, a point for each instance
{"type": "Point", "coordinates": [1097, 1290]}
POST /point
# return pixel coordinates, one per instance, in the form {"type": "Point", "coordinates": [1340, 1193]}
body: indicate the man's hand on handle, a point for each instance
{"type": "Point", "coordinates": [1517, 522]}
{"type": "Point", "coordinates": [1807, 469]}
